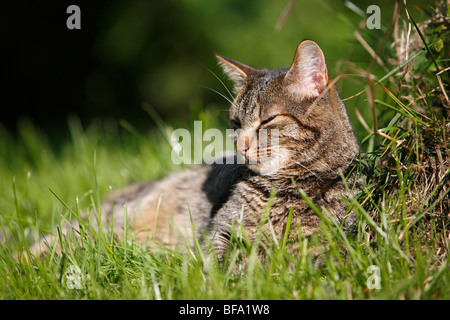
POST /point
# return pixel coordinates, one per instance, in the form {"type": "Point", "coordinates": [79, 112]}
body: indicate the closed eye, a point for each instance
{"type": "Point", "coordinates": [268, 120]}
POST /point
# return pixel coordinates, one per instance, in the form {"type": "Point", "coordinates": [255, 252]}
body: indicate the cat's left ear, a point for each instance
{"type": "Point", "coordinates": [236, 71]}
{"type": "Point", "coordinates": [308, 76]}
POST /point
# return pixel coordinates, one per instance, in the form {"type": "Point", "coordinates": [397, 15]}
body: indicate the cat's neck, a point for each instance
{"type": "Point", "coordinates": [291, 185]}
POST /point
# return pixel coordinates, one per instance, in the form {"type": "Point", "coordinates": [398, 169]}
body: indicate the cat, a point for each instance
{"type": "Point", "coordinates": [315, 145]}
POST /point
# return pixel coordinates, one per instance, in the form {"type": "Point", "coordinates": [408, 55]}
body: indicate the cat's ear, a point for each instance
{"type": "Point", "coordinates": [236, 71]}
{"type": "Point", "coordinates": [307, 77]}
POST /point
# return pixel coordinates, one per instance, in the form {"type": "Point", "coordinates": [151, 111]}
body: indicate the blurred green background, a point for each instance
{"type": "Point", "coordinates": [161, 53]}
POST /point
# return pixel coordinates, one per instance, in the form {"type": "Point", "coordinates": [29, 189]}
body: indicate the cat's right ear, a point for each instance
{"type": "Point", "coordinates": [307, 77]}
{"type": "Point", "coordinates": [235, 71]}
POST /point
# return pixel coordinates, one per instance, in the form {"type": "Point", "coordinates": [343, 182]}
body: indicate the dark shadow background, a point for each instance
{"type": "Point", "coordinates": [159, 52]}
{"type": "Point", "coordinates": [106, 69]}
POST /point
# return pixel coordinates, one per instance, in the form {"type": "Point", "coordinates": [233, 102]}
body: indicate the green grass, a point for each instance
{"type": "Point", "coordinates": [43, 185]}
{"type": "Point", "coordinates": [402, 212]}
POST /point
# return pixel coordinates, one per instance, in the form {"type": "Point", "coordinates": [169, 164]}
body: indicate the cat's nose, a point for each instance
{"type": "Point", "coordinates": [243, 144]}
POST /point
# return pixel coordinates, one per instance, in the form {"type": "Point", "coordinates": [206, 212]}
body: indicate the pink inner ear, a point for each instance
{"type": "Point", "coordinates": [309, 86]}
{"type": "Point", "coordinates": [307, 77]}
{"type": "Point", "coordinates": [320, 81]}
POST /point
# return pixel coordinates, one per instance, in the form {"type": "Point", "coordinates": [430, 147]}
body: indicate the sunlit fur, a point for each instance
{"type": "Point", "coordinates": [315, 144]}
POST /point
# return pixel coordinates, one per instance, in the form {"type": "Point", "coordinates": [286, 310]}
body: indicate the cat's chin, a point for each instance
{"type": "Point", "coordinates": [266, 168]}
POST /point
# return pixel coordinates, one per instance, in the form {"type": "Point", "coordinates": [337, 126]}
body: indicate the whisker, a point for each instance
{"type": "Point", "coordinates": [308, 158]}
{"type": "Point", "coordinates": [225, 170]}
{"type": "Point", "coordinates": [221, 94]}
{"type": "Point", "coordinates": [297, 152]}
{"type": "Point", "coordinates": [297, 163]}
{"type": "Point", "coordinates": [223, 84]}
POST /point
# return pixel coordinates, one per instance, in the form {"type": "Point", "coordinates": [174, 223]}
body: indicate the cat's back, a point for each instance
{"type": "Point", "coordinates": [163, 209]}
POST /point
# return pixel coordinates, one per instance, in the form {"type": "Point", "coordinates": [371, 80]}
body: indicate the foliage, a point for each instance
{"type": "Point", "coordinates": [402, 212]}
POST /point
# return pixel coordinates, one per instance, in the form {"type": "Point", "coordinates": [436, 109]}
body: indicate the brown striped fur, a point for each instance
{"type": "Point", "coordinates": [313, 125]}
{"type": "Point", "coordinates": [317, 144]}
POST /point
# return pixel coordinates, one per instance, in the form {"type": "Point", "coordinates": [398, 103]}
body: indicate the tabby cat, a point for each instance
{"type": "Point", "coordinates": [315, 144]}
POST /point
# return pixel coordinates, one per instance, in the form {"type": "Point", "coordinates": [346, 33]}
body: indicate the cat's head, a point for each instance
{"type": "Point", "coordinates": [289, 121]}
